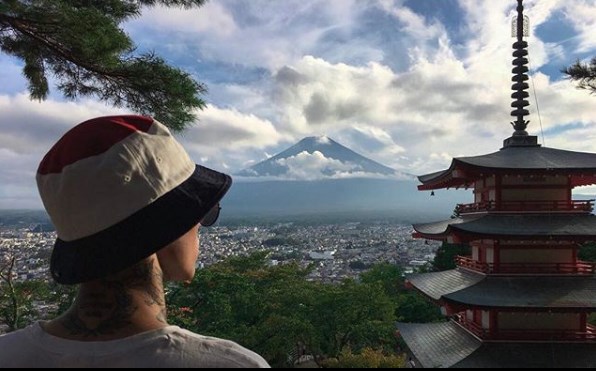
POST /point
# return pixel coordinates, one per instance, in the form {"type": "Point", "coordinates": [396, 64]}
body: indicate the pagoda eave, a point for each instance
{"type": "Point", "coordinates": [438, 344]}
{"type": "Point", "coordinates": [577, 228]}
{"type": "Point", "coordinates": [449, 345]}
{"type": "Point", "coordinates": [515, 161]}
{"type": "Point", "coordinates": [460, 288]}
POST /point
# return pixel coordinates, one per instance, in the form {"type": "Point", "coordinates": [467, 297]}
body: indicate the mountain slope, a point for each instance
{"type": "Point", "coordinates": [355, 197]}
{"type": "Point", "coordinates": [318, 158]}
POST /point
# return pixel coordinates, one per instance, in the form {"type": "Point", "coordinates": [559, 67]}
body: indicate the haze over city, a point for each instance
{"type": "Point", "coordinates": [409, 84]}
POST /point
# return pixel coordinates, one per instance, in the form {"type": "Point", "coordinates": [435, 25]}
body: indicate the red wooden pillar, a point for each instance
{"type": "Point", "coordinates": [497, 256]}
{"type": "Point", "coordinates": [498, 191]}
{"type": "Point", "coordinates": [494, 323]}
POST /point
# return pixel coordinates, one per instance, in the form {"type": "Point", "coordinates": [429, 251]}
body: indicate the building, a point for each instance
{"type": "Point", "coordinates": [523, 297]}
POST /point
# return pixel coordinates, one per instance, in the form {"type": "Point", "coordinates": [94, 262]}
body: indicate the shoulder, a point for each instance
{"type": "Point", "coordinates": [15, 345]}
{"type": "Point", "coordinates": [19, 336]}
{"type": "Point", "coordinates": [215, 352]}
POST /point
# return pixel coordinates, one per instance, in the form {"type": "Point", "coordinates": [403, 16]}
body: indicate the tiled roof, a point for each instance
{"type": "Point", "coordinates": [437, 284]}
{"type": "Point", "coordinates": [448, 345]}
{"type": "Point", "coordinates": [508, 225]}
{"type": "Point", "coordinates": [464, 287]}
{"type": "Point", "coordinates": [522, 158]}
{"type": "Point", "coordinates": [438, 344]}
{"type": "Point", "coordinates": [529, 292]}
{"type": "Point", "coordinates": [531, 355]}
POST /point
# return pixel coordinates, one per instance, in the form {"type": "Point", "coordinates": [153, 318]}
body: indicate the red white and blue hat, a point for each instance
{"type": "Point", "coordinates": [118, 189]}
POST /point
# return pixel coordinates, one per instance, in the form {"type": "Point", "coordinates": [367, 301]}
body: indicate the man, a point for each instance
{"type": "Point", "coordinates": [127, 203]}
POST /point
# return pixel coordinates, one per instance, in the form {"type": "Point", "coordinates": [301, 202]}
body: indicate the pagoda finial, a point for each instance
{"type": "Point", "coordinates": [520, 28]}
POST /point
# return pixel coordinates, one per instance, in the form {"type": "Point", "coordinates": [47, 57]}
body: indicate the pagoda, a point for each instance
{"type": "Point", "coordinates": [523, 297]}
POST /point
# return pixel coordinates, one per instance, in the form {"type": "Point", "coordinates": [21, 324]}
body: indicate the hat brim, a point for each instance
{"type": "Point", "coordinates": [141, 234]}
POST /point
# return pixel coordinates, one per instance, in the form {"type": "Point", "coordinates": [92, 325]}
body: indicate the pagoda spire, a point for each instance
{"type": "Point", "coordinates": [520, 28]}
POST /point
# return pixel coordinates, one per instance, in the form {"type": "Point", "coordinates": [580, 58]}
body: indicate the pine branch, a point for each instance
{"type": "Point", "coordinates": [583, 74]}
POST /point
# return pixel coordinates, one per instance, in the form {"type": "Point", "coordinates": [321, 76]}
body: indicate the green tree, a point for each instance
{"type": "Point", "coordinates": [409, 306]}
{"type": "Point", "coordinates": [588, 252]}
{"type": "Point", "coordinates": [584, 74]}
{"type": "Point", "coordinates": [17, 298]}
{"type": "Point", "coordinates": [389, 275]}
{"type": "Point", "coordinates": [81, 44]}
{"type": "Point", "coordinates": [276, 310]}
{"type": "Point", "coordinates": [412, 307]}
{"type": "Point", "coordinates": [367, 358]}
{"type": "Point", "coordinates": [445, 256]}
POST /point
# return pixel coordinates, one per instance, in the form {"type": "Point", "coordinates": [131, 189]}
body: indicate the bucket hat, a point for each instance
{"type": "Point", "coordinates": [118, 189]}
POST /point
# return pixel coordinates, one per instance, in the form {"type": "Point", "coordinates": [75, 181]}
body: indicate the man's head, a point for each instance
{"type": "Point", "coordinates": [119, 189]}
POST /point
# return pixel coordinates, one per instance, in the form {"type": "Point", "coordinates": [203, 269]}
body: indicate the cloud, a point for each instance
{"type": "Point", "coordinates": [226, 136]}
{"type": "Point", "coordinates": [307, 166]}
{"type": "Point", "coordinates": [582, 16]}
{"type": "Point", "coordinates": [212, 19]}
{"type": "Point", "coordinates": [402, 86]}
{"type": "Point", "coordinates": [252, 33]}
{"type": "Point", "coordinates": [28, 129]}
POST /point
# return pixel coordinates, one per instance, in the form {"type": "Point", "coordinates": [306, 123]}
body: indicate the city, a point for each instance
{"type": "Point", "coordinates": [337, 251]}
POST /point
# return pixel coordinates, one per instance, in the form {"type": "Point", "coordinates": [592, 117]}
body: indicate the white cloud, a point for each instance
{"type": "Point", "coordinates": [311, 166]}
{"type": "Point", "coordinates": [411, 96]}
{"type": "Point", "coordinates": [316, 166]}
{"type": "Point", "coordinates": [28, 129]}
{"type": "Point", "coordinates": [323, 139]}
{"type": "Point", "coordinates": [582, 16]}
{"type": "Point", "coordinates": [226, 137]}
{"type": "Point", "coordinates": [212, 19]}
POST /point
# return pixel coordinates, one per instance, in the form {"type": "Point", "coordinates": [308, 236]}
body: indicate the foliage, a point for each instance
{"type": "Point", "coordinates": [367, 358]}
{"type": "Point", "coordinates": [583, 74]}
{"type": "Point", "coordinates": [413, 307]}
{"type": "Point", "coordinates": [445, 256]}
{"type": "Point", "coordinates": [588, 252]}
{"type": "Point", "coordinates": [20, 305]}
{"type": "Point", "coordinates": [592, 319]}
{"type": "Point", "coordinates": [81, 44]}
{"type": "Point", "coordinates": [16, 303]}
{"type": "Point", "coordinates": [389, 275]}
{"type": "Point", "coordinates": [275, 310]}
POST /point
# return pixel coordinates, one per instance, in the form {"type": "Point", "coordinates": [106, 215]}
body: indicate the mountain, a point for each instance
{"type": "Point", "coordinates": [315, 158]}
{"type": "Point", "coordinates": [320, 176]}
{"type": "Point", "coordinates": [354, 199]}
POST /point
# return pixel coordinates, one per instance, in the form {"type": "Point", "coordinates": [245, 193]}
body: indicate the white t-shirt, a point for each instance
{"type": "Point", "coordinates": [167, 347]}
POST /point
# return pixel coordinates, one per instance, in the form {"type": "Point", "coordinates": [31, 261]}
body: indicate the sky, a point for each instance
{"type": "Point", "coordinates": [408, 83]}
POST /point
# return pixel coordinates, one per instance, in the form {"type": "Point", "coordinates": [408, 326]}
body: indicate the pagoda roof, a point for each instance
{"type": "Point", "coordinates": [462, 287]}
{"type": "Point", "coordinates": [437, 284]}
{"type": "Point", "coordinates": [529, 292]}
{"type": "Point", "coordinates": [448, 345]}
{"type": "Point", "coordinates": [523, 159]}
{"type": "Point", "coordinates": [438, 344]}
{"type": "Point", "coordinates": [531, 355]}
{"type": "Point", "coordinates": [546, 226]}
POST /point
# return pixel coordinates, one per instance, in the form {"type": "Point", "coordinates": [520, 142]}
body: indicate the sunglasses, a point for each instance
{"type": "Point", "coordinates": [211, 217]}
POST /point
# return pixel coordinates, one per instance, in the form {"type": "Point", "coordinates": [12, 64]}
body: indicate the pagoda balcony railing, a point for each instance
{"type": "Point", "coordinates": [588, 335]}
{"type": "Point", "coordinates": [573, 206]}
{"type": "Point", "coordinates": [579, 268]}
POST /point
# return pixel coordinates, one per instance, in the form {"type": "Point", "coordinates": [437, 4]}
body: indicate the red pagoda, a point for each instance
{"type": "Point", "coordinates": [523, 297]}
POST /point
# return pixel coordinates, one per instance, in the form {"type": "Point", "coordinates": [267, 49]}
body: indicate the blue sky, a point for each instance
{"type": "Point", "coordinates": [408, 83]}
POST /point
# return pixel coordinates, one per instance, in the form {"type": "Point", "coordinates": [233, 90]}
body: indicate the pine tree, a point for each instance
{"type": "Point", "coordinates": [80, 43]}
{"type": "Point", "coordinates": [584, 74]}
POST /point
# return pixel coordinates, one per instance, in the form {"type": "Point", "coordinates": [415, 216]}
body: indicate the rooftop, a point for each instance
{"type": "Point", "coordinates": [513, 160]}
{"type": "Point", "coordinates": [459, 286]}
{"type": "Point", "coordinates": [545, 226]}
{"type": "Point", "coordinates": [448, 345]}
